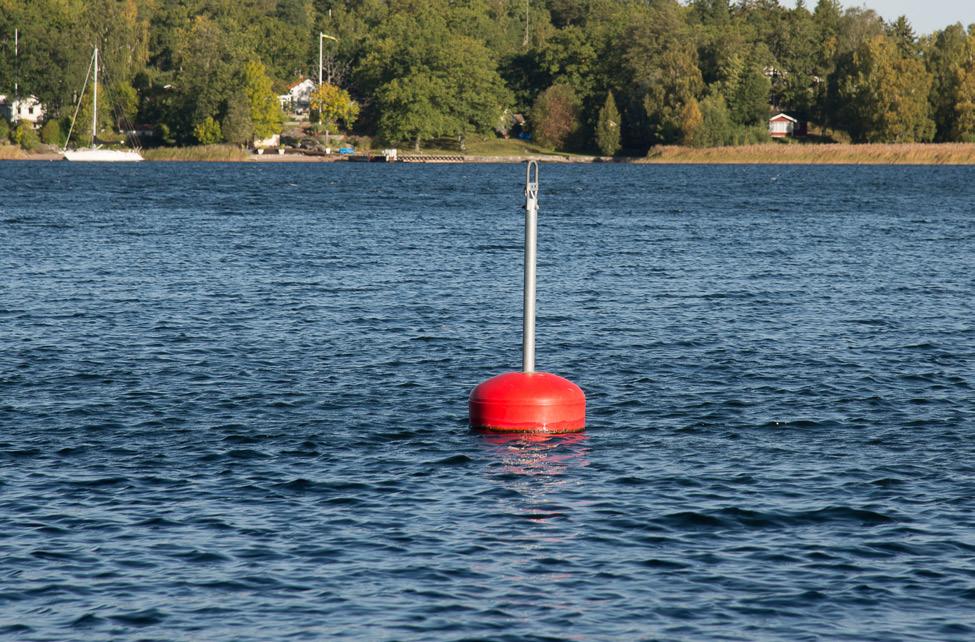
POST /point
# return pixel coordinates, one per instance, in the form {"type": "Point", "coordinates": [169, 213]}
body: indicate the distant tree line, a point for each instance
{"type": "Point", "coordinates": [586, 74]}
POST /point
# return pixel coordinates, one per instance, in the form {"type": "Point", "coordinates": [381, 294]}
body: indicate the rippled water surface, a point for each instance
{"type": "Point", "coordinates": [233, 404]}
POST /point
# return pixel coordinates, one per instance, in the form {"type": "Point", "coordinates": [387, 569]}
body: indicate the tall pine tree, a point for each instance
{"type": "Point", "coordinates": [608, 127]}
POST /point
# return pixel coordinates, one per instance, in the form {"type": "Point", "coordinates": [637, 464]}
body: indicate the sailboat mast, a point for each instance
{"type": "Point", "coordinates": [94, 101]}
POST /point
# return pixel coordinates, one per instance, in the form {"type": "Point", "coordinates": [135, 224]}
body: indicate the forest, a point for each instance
{"type": "Point", "coordinates": [605, 76]}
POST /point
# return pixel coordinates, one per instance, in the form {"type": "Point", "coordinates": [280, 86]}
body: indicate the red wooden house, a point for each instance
{"type": "Point", "coordinates": [782, 125]}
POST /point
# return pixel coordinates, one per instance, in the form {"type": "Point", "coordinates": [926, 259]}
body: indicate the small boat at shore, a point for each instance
{"type": "Point", "coordinates": [96, 153]}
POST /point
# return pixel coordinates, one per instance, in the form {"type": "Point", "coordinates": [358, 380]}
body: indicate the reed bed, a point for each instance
{"type": "Point", "coordinates": [826, 154]}
{"type": "Point", "coordinates": [200, 153]}
{"type": "Point", "coordinates": [11, 152]}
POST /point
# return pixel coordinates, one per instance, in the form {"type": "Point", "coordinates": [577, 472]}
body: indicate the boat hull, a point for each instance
{"type": "Point", "coordinates": [103, 155]}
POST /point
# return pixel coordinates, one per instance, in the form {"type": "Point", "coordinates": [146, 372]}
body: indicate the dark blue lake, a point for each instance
{"type": "Point", "coordinates": [233, 403]}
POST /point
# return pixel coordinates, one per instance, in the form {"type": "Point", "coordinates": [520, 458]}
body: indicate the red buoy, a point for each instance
{"type": "Point", "coordinates": [528, 401]}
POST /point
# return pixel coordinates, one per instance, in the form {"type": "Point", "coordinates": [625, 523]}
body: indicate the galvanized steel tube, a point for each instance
{"type": "Point", "coordinates": [531, 236]}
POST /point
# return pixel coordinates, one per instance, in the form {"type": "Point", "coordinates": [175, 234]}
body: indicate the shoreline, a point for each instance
{"type": "Point", "coordinates": [457, 159]}
{"type": "Point", "coordinates": [817, 154]}
{"type": "Point", "coordinates": [766, 154]}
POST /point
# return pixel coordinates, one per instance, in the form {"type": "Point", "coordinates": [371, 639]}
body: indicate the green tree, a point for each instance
{"type": "Point", "coordinates": [568, 58]}
{"type": "Point", "coordinates": [80, 131]}
{"type": "Point", "coordinates": [798, 90]}
{"type": "Point", "coordinates": [965, 108]}
{"type": "Point", "coordinates": [608, 127]}
{"type": "Point", "coordinates": [827, 16]}
{"type": "Point", "coordinates": [722, 56]}
{"type": "Point", "coordinates": [4, 131]}
{"type": "Point", "coordinates": [424, 69]}
{"type": "Point", "coordinates": [675, 83]}
{"type": "Point", "coordinates": [902, 33]}
{"type": "Point", "coordinates": [51, 65]}
{"type": "Point", "coordinates": [25, 136]}
{"type": "Point", "coordinates": [285, 37]}
{"type": "Point", "coordinates": [428, 81]}
{"type": "Point", "coordinates": [857, 27]}
{"type": "Point", "coordinates": [750, 102]}
{"type": "Point", "coordinates": [207, 60]}
{"type": "Point", "coordinates": [123, 104]}
{"type": "Point", "coordinates": [208, 132]}
{"type": "Point", "coordinates": [51, 133]}
{"type": "Point", "coordinates": [237, 126]}
{"type": "Point", "coordinates": [886, 95]}
{"type": "Point", "coordinates": [660, 65]}
{"type": "Point", "coordinates": [692, 122]}
{"type": "Point", "coordinates": [266, 114]}
{"type": "Point", "coordinates": [415, 109]}
{"type": "Point", "coordinates": [121, 30]}
{"type": "Point", "coordinates": [555, 116]}
{"type": "Point", "coordinates": [826, 20]}
{"type": "Point", "coordinates": [717, 128]}
{"type": "Point", "coordinates": [949, 58]}
{"type": "Point", "coordinates": [334, 106]}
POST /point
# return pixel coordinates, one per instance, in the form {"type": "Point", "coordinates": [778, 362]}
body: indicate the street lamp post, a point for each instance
{"type": "Point", "coordinates": [321, 38]}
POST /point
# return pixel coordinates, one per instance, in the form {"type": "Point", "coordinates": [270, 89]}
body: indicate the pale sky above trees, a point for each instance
{"type": "Point", "coordinates": [926, 15]}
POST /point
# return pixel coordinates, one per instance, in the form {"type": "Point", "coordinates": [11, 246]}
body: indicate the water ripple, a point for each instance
{"type": "Point", "coordinates": [232, 404]}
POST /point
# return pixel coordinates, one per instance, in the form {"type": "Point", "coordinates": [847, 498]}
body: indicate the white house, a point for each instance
{"type": "Point", "coordinates": [274, 140]}
{"type": "Point", "coordinates": [28, 108]}
{"type": "Point", "coordinates": [781, 126]}
{"type": "Point", "coordinates": [298, 97]}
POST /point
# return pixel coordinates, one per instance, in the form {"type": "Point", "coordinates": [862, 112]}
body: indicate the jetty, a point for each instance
{"type": "Point", "coordinates": [386, 157]}
{"type": "Point", "coordinates": [430, 158]}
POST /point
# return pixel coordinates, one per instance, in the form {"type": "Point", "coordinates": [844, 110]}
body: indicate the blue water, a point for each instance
{"type": "Point", "coordinates": [233, 404]}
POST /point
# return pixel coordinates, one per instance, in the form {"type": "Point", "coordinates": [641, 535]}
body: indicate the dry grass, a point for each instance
{"type": "Point", "coordinates": [11, 152]}
{"type": "Point", "coordinates": [838, 154]}
{"type": "Point", "coordinates": [200, 153]}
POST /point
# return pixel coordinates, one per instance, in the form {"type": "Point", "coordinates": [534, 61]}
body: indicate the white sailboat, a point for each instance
{"type": "Point", "coordinates": [96, 153]}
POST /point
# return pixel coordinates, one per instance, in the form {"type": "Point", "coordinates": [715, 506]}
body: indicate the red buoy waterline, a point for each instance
{"type": "Point", "coordinates": [528, 401]}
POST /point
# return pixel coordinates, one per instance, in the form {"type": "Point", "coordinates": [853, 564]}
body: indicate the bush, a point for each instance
{"type": "Point", "coordinates": [162, 135]}
{"type": "Point", "coordinates": [208, 132]}
{"type": "Point", "coordinates": [26, 137]}
{"type": "Point", "coordinates": [51, 133]}
{"type": "Point", "coordinates": [363, 142]}
{"type": "Point", "coordinates": [4, 131]}
{"type": "Point", "coordinates": [754, 135]}
{"type": "Point", "coordinates": [65, 125]}
{"type": "Point", "coordinates": [716, 128]}
{"type": "Point", "coordinates": [555, 116]}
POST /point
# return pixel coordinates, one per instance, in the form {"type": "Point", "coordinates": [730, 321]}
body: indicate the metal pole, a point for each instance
{"type": "Point", "coordinates": [320, 36]}
{"type": "Point", "coordinates": [94, 101]}
{"type": "Point", "coordinates": [531, 239]}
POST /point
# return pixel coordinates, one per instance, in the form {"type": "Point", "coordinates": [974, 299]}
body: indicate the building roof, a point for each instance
{"type": "Point", "coordinates": [24, 100]}
{"type": "Point", "coordinates": [783, 117]}
{"type": "Point", "coordinates": [299, 82]}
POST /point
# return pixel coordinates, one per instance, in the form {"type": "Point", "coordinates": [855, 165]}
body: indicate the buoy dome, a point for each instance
{"type": "Point", "coordinates": [538, 402]}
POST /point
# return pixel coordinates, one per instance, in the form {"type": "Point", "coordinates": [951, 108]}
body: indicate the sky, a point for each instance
{"type": "Point", "coordinates": [925, 15]}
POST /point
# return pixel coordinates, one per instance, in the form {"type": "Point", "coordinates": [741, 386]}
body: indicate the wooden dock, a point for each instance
{"type": "Point", "coordinates": [429, 158]}
{"type": "Point", "coordinates": [381, 158]}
